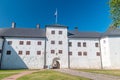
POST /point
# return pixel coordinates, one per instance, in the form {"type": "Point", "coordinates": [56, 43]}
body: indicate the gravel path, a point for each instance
{"type": "Point", "coordinates": [14, 77]}
{"type": "Point", "coordinates": [92, 76]}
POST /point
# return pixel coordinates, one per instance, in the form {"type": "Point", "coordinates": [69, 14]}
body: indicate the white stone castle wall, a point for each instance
{"type": "Point", "coordinates": [64, 47]}
{"type": "Point", "coordinates": [111, 58]}
{"type": "Point", "coordinates": [16, 61]}
{"type": "Point", "coordinates": [91, 60]}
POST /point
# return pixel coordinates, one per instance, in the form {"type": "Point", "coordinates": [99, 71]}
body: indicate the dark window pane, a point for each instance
{"type": "Point", "coordinates": [60, 32]}
{"type": "Point", "coordinates": [98, 53]}
{"type": "Point", "coordinates": [28, 42]}
{"type": "Point", "coordinates": [38, 52]}
{"type": "Point", "coordinates": [39, 43]}
{"type": "Point", "coordinates": [70, 43]}
{"type": "Point", "coordinates": [96, 45]}
{"type": "Point", "coordinates": [8, 53]}
{"type": "Point", "coordinates": [0, 51]}
{"type": "Point", "coordinates": [79, 53]}
{"type": "Point", "coordinates": [27, 52]}
{"type": "Point", "coordinates": [20, 53]}
{"type": "Point", "coordinates": [60, 51]}
{"type": "Point", "coordinates": [52, 42]}
{"type": "Point", "coordinates": [52, 32]}
{"type": "Point", "coordinates": [70, 53]}
{"type": "Point", "coordinates": [52, 51]}
{"type": "Point", "coordinates": [21, 42]}
{"type": "Point", "coordinates": [60, 42]}
{"type": "Point", "coordinates": [79, 44]}
{"type": "Point", "coordinates": [85, 53]}
{"type": "Point", "coordinates": [84, 44]}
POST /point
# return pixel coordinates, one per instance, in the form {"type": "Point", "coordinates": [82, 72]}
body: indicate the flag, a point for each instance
{"type": "Point", "coordinates": [56, 13]}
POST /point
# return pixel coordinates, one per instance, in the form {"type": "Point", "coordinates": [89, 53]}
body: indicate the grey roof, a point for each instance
{"type": "Point", "coordinates": [77, 34]}
{"type": "Point", "coordinates": [22, 32]}
{"type": "Point", "coordinates": [115, 32]}
{"type": "Point", "coordinates": [56, 25]}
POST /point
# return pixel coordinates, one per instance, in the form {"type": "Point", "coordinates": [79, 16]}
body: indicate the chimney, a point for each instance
{"type": "Point", "coordinates": [13, 24]}
{"type": "Point", "coordinates": [38, 26]}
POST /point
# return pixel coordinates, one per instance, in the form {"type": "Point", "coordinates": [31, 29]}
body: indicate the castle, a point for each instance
{"type": "Point", "coordinates": [57, 47]}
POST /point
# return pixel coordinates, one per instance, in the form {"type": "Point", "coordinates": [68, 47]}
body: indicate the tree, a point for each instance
{"type": "Point", "coordinates": [115, 13]}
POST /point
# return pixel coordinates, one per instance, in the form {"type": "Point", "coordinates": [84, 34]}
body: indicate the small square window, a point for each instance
{"type": "Point", "coordinates": [79, 44]}
{"type": "Point", "coordinates": [52, 51]}
{"type": "Point", "coordinates": [79, 53]}
{"type": "Point", "coordinates": [28, 43]}
{"type": "Point", "coordinates": [9, 42]}
{"type": "Point", "coordinates": [84, 44]}
{"type": "Point", "coordinates": [0, 51]}
{"type": "Point", "coordinates": [52, 32]}
{"type": "Point", "coordinates": [60, 51]}
{"type": "Point", "coordinates": [60, 42]}
{"type": "Point", "coordinates": [52, 42]}
{"type": "Point", "coordinates": [8, 53]}
{"type": "Point", "coordinates": [27, 52]}
{"type": "Point", "coordinates": [60, 32]}
{"type": "Point", "coordinates": [39, 43]}
{"type": "Point", "coordinates": [20, 53]}
{"type": "Point", "coordinates": [38, 52]}
{"type": "Point", "coordinates": [70, 53]}
{"type": "Point", "coordinates": [85, 53]}
{"type": "Point", "coordinates": [70, 43]}
{"type": "Point", "coordinates": [21, 42]}
{"type": "Point", "coordinates": [97, 53]}
{"type": "Point", "coordinates": [96, 45]}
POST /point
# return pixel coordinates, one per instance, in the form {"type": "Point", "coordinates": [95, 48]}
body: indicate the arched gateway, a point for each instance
{"type": "Point", "coordinates": [56, 63]}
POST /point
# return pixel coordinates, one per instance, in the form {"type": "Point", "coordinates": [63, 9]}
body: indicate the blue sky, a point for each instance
{"type": "Point", "coordinates": [88, 15]}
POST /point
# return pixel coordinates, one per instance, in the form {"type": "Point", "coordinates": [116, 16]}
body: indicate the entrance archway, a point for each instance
{"type": "Point", "coordinates": [56, 63]}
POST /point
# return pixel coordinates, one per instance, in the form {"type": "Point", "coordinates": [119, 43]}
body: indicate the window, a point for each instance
{"type": "Point", "coordinates": [60, 42]}
{"type": "Point", "coordinates": [9, 42]}
{"type": "Point", "coordinates": [85, 53]}
{"type": "Point", "coordinates": [38, 52]}
{"type": "Point", "coordinates": [39, 42]}
{"type": "Point", "coordinates": [60, 32]}
{"type": "Point", "coordinates": [21, 42]}
{"type": "Point", "coordinates": [70, 53]}
{"type": "Point", "coordinates": [84, 44]}
{"type": "Point", "coordinates": [96, 45]}
{"type": "Point", "coordinates": [60, 51]}
{"type": "Point", "coordinates": [70, 43]}
{"type": "Point", "coordinates": [28, 42]}
{"type": "Point", "coordinates": [27, 52]}
{"type": "Point", "coordinates": [97, 53]}
{"type": "Point", "coordinates": [52, 32]}
{"type": "Point", "coordinates": [52, 42]}
{"type": "Point", "coordinates": [52, 51]}
{"type": "Point", "coordinates": [20, 53]}
{"type": "Point", "coordinates": [79, 44]}
{"type": "Point", "coordinates": [8, 53]}
{"type": "Point", "coordinates": [79, 53]}
{"type": "Point", "coordinates": [0, 51]}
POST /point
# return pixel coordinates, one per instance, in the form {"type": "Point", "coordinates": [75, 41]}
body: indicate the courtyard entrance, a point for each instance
{"type": "Point", "coordinates": [56, 63]}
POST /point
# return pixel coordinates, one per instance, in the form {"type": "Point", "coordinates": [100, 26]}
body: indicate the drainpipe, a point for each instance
{"type": "Point", "coordinates": [68, 56]}
{"type": "Point", "coordinates": [2, 52]}
{"type": "Point", "coordinates": [100, 54]}
{"type": "Point", "coordinates": [45, 51]}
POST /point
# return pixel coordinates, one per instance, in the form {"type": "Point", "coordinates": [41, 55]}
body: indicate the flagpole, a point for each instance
{"type": "Point", "coordinates": [56, 16]}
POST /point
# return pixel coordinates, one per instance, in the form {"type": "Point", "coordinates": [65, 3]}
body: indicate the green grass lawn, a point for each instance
{"type": "Point", "coordinates": [50, 75]}
{"type": "Point", "coordinates": [109, 72]}
{"type": "Point", "coordinates": [6, 73]}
